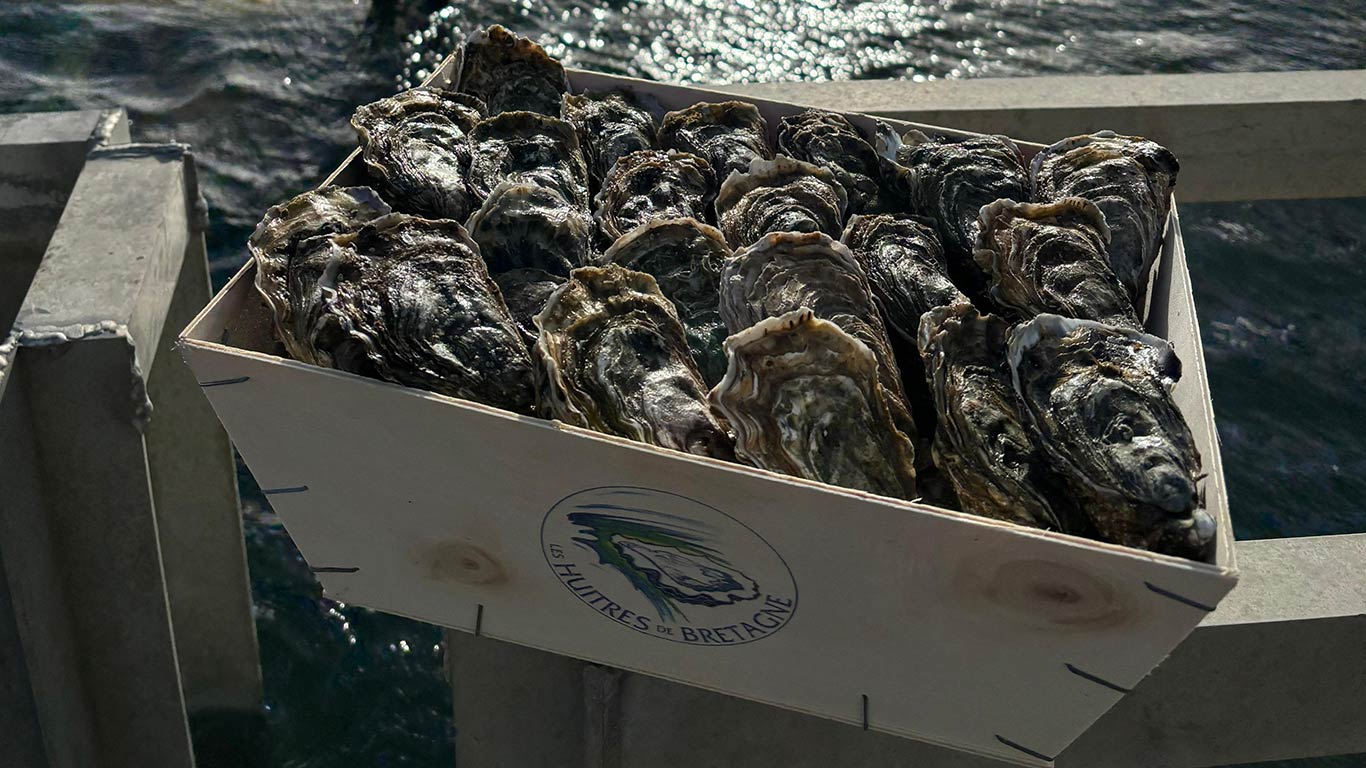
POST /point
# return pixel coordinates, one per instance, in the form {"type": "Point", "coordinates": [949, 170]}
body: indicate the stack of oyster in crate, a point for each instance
{"type": "Point", "coordinates": [916, 317]}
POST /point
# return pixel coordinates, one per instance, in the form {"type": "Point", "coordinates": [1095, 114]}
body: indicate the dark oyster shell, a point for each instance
{"type": "Point", "coordinates": [804, 398]}
{"type": "Point", "coordinates": [1050, 257]}
{"type": "Point", "coordinates": [409, 300]}
{"type": "Point", "coordinates": [904, 260]}
{"type": "Point", "coordinates": [511, 73]}
{"type": "Point", "coordinates": [416, 146]}
{"type": "Point", "coordinates": [290, 250]}
{"type": "Point", "coordinates": [981, 441]}
{"type": "Point", "coordinates": [685, 257]}
{"type": "Point", "coordinates": [1099, 397]}
{"type": "Point", "coordinates": [525, 225]}
{"type": "Point", "coordinates": [785, 271]}
{"type": "Point", "coordinates": [614, 358]}
{"type": "Point", "coordinates": [1131, 180]}
{"type": "Point", "coordinates": [779, 195]}
{"type": "Point", "coordinates": [950, 181]}
{"type": "Point", "coordinates": [610, 126]}
{"type": "Point", "coordinates": [531, 148]}
{"type": "Point", "coordinates": [727, 134]}
{"type": "Point", "coordinates": [526, 292]}
{"type": "Point", "coordinates": [652, 184]}
{"type": "Point", "coordinates": [829, 140]}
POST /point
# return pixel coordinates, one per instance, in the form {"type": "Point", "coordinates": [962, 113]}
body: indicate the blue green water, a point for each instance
{"type": "Point", "coordinates": [263, 89]}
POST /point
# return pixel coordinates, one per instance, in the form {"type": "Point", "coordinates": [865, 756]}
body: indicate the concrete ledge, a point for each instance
{"type": "Point", "coordinates": [1254, 136]}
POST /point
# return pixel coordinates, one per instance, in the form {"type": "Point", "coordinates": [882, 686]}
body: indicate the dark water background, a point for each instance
{"type": "Point", "coordinates": [263, 90]}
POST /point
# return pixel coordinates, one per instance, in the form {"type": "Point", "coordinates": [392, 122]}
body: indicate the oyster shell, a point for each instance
{"type": "Point", "coordinates": [511, 73]}
{"type": "Point", "coordinates": [528, 147]}
{"type": "Point", "coordinates": [416, 147]}
{"type": "Point", "coordinates": [614, 358]}
{"type": "Point", "coordinates": [289, 247]}
{"type": "Point", "coordinates": [804, 398]}
{"type": "Point", "coordinates": [1050, 257]}
{"type": "Point", "coordinates": [652, 184]}
{"type": "Point", "coordinates": [727, 134]}
{"type": "Point", "coordinates": [829, 140]}
{"type": "Point", "coordinates": [950, 181]}
{"type": "Point", "coordinates": [526, 292]}
{"type": "Point", "coordinates": [981, 440]}
{"type": "Point", "coordinates": [786, 271]}
{"type": "Point", "coordinates": [904, 260]}
{"type": "Point", "coordinates": [525, 225]}
{"type": "Point", "coordinates": [779, 195]}
{"type": "Point", "coordinates": [610, 126]}
{"type": "Point", "coordinates": [409, 300]}
{"type": "Point", "coordinates": [1131, 180]}
{"type": "Point", "coordinates": [685, 257]}
{"type": "Point", "coordinates": [1100, 399]}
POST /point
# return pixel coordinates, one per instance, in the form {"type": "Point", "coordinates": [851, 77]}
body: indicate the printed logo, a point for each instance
{"type": "Point", "coordinates": [668, 566]}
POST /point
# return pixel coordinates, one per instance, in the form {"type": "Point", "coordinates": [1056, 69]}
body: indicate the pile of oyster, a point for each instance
{"type": "Point", "coordinates": [916, 317]}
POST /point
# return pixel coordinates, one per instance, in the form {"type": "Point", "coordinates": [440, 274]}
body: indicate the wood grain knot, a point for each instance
{"type": "Point", "coordinates": [1045, 594]}
{"type": "Point", "coordinates": [463, 563]}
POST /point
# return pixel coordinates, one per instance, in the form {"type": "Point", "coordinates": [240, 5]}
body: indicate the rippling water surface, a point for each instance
{"type": "Point", "coordinates": [263, 90]}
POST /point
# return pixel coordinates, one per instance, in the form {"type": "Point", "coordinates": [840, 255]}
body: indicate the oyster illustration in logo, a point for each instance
{"type": "Point", "coordinates": [669, 566]}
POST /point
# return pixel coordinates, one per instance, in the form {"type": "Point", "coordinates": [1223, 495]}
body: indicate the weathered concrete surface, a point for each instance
{"type": "Point", "coordinates": [41, 155]}
{"type": "Point", "coordinates": [1275, 673]}
{"type": "Point", "coordinates": [1253, 136]}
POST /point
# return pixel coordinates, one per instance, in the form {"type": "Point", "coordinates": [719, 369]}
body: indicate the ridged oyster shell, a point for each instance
{"type": "Point", "coordinates": [653, 184]}
{"type": "Point", "coordinates": [416, 146]}
{"type": "Point", "coordinates": [950, 181]}
{"type": "Point", "coordinates": [511, 73]}
{"type": "Point", "coordinates": [526, 225]}
{"type": "Point", "coordinates": [290, 250]}
{"type": "Point", "coordinates": [904, 260]}
{"type": "Point", "coordinates": [409, 300]}
{"type": "Point", "coordinates": [981, 440]}
{"type": "Point", "coordinates": [685, 257]}
{"type": "Point", "coordinates": [1050, 257]}
{"type": "Point", "coordinates": [526, 292]}
{"type": "Point", "coordinates": [1099, 397]}
{"type": "Point", "coordinates": [727, 134]}
{"type": "Point", "coordinates": [786, 271]}
{"type": "Point", "coordinates": [614, 358]}
{"type": "Point", "coordinates": [779, 195]}
{"type": "Point", "coordinates": [1131, 180]}
{"type": "Point", "coordinates": [610, 126]}
{"type": "Point", "coordinates": [829, 140]}
{"type": "Point", "coordinates": [528, 147]}
{"type": "Point", "coordinates": [804, 398]}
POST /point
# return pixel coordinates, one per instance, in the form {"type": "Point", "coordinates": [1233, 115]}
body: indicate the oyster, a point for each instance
{"type": "Point", "coordinates": [610, 126]}
{"type": "Point", "coordinates": [779, 195]}
{"type": "Point", "coordinates": [1131, 180]}
{"type": "Point", "coordinates": [289, 247]}
{"type": "Point", "coordinates": [727, 134]}
{"type": "Point", "coordinates": [786, 271]}
{"type": "Point", "coordinates": [652, 184]}
{"type": "Point", "coordinates": [614, 358]}
{"type": "Point", "coordinates": [685, 257]}
{"type": "Point", "coordinates": [511, 73]}
{"type": "Point", "coordinates": [416, 146]}
{"type": "Point", "coordinates": [981, 441]}
{"type": "Point", "coordinates": [950, 180]}
{"type": "Point", "coordinates": [531, 148]}
{"type": "Point", "coordinates": [409, 300]}
{"type": "Point", "coordinates": [904, 260]}
{"type": "Point", "coordinates": [1050, 257]}
{"type": "Point", "coordinates": [526, 292]}
{"type": "Point", "coordinates": [525, 225]}
{"type": "Point", "coordinates": [829, 140]}
{"type": "Point", "coordinates": [1100, 399]}
{"type": "Point", "coordinates": [804, 398]}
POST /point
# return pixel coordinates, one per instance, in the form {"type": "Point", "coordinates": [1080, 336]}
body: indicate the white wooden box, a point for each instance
{"type": "Point", "coordinates": [935, 625]}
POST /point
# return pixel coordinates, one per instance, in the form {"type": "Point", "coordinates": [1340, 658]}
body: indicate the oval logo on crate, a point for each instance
{"type": "Point", "coordinates": [668, 566]}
